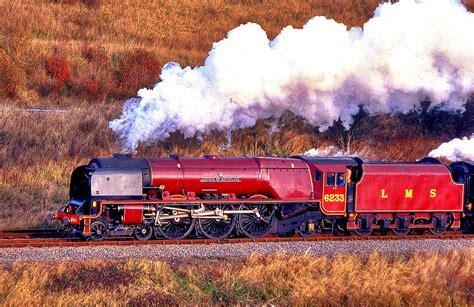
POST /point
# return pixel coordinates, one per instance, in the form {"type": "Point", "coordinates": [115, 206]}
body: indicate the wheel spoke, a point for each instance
{"type": "Point", "coordinates": [98, 231]}
{"type": "Point", "coordinates": [217, 228]}
{"type": "Point", "coordinates": [143, 232]}
{"type": "Point", "coordinates": [253, 227]}
{"type": "Point", "coordinates": [175, 230]}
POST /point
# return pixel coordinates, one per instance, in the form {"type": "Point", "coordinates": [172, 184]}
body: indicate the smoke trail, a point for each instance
{"type": "Point", "coordinates": [456, 150]}
{"type": "Point", "coordinates": [332, 151]}
{"type": "Point", "coordinates": [409, 51]}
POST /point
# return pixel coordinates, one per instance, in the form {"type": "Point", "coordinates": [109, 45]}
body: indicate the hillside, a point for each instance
{"type": "Point", "coordinates": [98, 50]}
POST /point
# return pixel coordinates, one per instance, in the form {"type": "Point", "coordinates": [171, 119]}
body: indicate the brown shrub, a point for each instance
{"type": "Point", "coordinates": [95, 55]}
{"type": "Point", "coordinates": [45, 88]}
{"type": "Point", "coordinates": [12, 77]}
{"type": "Point", "coordinates": [89, 88]}
{"type": "Point", "coordinates": [88, 3]}
{"type": "Point", "coordinates": [137, 70]}
{"type": "Point", "coordinates": [91, 3]}
{"type": "Point", "coordinates": [57, 67]}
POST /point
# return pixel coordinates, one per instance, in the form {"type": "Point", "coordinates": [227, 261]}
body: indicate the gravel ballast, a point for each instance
{"type": "Point", "coordinates": [213, 251]}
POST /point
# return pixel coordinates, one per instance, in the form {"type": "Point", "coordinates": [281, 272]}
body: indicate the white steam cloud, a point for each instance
{"type": "Point", "coordinates": [409, 51]}
{"type": "Point", "coordinates": [332, 151]}
{"type": "Point", "coordinates": [456, 150]}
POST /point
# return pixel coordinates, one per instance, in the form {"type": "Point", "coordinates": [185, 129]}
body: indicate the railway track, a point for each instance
{"type": "Point", "coordinates": [34, 239]}
{"type": "Point", "coordinates": [28, 234]}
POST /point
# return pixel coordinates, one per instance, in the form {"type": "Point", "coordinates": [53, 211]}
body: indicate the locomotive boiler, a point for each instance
{"type": "Point", "coordinates": [217, 197]}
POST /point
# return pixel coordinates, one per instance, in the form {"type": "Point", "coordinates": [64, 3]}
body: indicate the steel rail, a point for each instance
{"type": "Point", "coordinates": [63, 242]}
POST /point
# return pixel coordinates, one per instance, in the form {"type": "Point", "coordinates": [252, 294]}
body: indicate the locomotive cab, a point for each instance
{"type": "Point", "coordinates": [333, 182]}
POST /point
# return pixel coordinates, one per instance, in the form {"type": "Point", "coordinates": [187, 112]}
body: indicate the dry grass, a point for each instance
{"type": "Point", "coordinates": [422, 279]}
{"type": "Point", "coordinates": [33, 32]}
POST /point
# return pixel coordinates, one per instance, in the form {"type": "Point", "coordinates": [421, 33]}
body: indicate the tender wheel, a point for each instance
{"type": "Point", "coordinates": [469, 223]}
{"type": "Point", "coordinates": [98, 231]}
{"type": "Point", "coordinates": [437, 231]}
{"type": "Point", "coordinates": [364, 227]}
{"type": "Point", "coordinates": [143, 232]}
{"type": "Point", "coordinates": [401, 232]}
{"type": "Point", "coordinates": [402, 227]}
{"type": "Point", "coordinates": [364, 232]}
{"type": "Point", "coordinates": [218, 228]}
{"type": "Point", "coordinates": [175, 229]}
{"type": "Point", "coordinates": [254, 226]}
{"type": "Point", "coordinates": [438, 226]}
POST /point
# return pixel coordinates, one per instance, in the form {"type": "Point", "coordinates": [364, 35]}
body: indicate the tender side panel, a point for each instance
{"type": "Point", "coordinates": [407, 188]}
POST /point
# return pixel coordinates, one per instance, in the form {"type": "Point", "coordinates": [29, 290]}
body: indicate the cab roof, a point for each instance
{"type": "Point", "coordinates": [330, 164]}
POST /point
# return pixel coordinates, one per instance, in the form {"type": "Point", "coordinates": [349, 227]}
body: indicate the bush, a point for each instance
{"type": "Point", "coordinates": [91, 3]}
{"type": "Point", "coordinates": [89, 88]}
{"type": "Point", "coordinates": [137, 70]}
{"type": "Point", "coordinates": [95, 55]}
{"type": "Point", "coordinates": [12, 77]}
{"type": "Point", "coordinates": [88, 3]}
{"type": "Point", "coordinates": [57, 67]}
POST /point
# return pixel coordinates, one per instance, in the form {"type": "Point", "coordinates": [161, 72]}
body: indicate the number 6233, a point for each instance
{"type": "Point", "coordinates": [334, 197]}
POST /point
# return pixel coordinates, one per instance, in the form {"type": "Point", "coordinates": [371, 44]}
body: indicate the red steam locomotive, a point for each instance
{"type": "Point", "coordinates": [218, 197]}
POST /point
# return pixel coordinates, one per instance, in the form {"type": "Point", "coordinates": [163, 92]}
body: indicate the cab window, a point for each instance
{"type": "Point", "coordinates": [341, 179]}
{"type": "Point", "coordinates": [330, 179]}
{"type": "Point", "coordinates": [317, 176]}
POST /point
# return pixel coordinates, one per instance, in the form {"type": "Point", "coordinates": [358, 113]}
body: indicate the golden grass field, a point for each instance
{"type": "Point", "coordinates": [101, 42]}
{"type": "Point", "coordinates": [430, 279]}
{"type": "Point", "coordinates": [99, 50]}
{"type": "Point", "coordinates": [88, 56]}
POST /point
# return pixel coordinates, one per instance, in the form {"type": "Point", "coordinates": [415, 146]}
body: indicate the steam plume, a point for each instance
{"type": "Point", "coordinates": [407, 52]}
{"type": "Point", "coordinates": [456, 150]}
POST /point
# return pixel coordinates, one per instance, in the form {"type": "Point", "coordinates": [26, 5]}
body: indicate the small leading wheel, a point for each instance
{"type": "Point", "coordinates": [217, 228]}
{"type": "Point", "coordinates": [253, 225]}
{"type": "Point", "coordinates": [175, 229]}
{"type": "Point", "coordinates": [143, 232]}
{"type": "Point", "coordinates": [98, 231]}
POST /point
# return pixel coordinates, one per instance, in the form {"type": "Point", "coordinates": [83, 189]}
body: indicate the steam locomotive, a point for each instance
{"type": "Point", "coordinates": [218, 197]}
